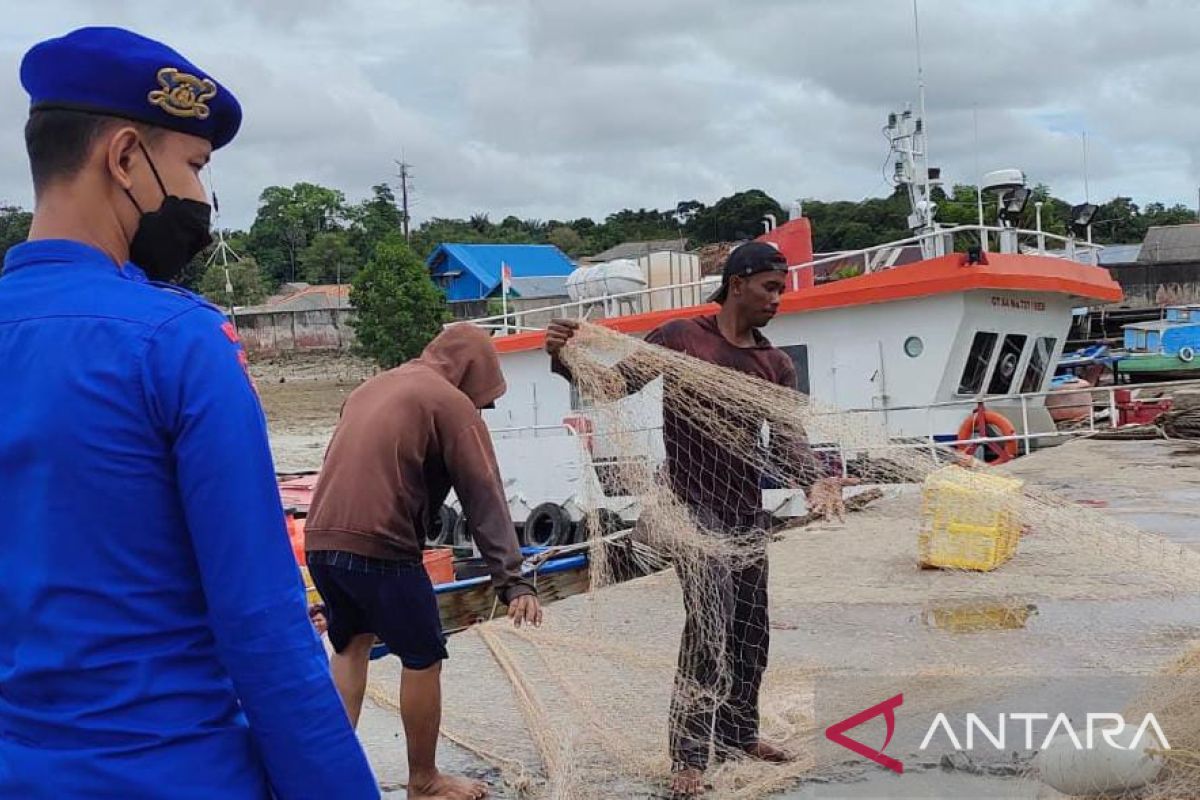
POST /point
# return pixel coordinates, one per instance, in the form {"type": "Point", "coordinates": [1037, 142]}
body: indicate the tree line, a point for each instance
{"type": "Point", "coordinates": [311, 233]}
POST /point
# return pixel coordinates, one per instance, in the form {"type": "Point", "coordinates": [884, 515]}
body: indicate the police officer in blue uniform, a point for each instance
{"type": "Point", "coordinates": [156, 641]}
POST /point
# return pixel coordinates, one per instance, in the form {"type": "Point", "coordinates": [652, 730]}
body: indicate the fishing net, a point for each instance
{"type": "Point", "coordinates": [661, 664]}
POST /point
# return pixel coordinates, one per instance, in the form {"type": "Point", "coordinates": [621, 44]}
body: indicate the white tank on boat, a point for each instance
{"type": "Point", "coordinates": [598, 281]}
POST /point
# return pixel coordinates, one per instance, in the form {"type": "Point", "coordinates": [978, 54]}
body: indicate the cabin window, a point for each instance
{"type": "Point", "coordinates": [1006, 365]}
{"type": "Point", "coordinates": [1039, 361]}
{"type": "Point", "coordinates": [977, 362]}
{"type": "Point", "coordinates": [913, 346]}
{"type": "Point", "coordinates": [798, 353]}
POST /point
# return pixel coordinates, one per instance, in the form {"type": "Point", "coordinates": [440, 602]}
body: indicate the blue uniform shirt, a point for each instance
{"type": "Point", "coordinates": [155, 639]}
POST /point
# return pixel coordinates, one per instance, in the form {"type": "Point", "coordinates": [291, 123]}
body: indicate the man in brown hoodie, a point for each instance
{"type": "Point", "coordinates": [405, 438]}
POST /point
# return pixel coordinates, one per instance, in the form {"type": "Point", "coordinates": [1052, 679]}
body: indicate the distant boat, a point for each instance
{"type": "Point", "coordinates": [1164, 349]}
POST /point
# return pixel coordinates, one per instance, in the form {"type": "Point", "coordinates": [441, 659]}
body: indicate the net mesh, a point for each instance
{"type": "Point", "coordinates": [639, 677]}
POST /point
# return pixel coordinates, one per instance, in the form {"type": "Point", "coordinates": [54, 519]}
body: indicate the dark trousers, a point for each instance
{"type": "Point", "coordinates": [723, 654]}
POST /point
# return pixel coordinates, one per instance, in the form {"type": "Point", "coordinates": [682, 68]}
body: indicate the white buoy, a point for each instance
{"type": "Point", "coordinates": [1103, 769]}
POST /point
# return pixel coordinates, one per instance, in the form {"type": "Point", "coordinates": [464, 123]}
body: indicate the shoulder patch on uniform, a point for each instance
{"type": "Point", "coordinates": [231, 334]}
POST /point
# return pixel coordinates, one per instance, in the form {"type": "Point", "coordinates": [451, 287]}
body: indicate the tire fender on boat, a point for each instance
{"type": "Point", "coordinates": [1186, 354]}
{"type": "Point", "coordinates": [1001, 451]}
{"type": "Point", "coordinates": [442, 533]}
{"type": "Point", "coordinates": [548, 525]}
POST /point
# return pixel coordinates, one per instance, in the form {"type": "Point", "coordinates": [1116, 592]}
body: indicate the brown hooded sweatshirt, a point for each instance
{"type": "Point", "coordinates": [406, 437]}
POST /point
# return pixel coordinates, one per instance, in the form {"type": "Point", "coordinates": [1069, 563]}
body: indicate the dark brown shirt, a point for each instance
{"type": "Point", "coordinates": [406, 437]}
{"type": "Point", "coordinates": [703, 472]}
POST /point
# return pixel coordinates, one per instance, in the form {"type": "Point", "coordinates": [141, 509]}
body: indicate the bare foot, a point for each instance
{"type": "Point", "coordinates": [445, 787]}
{"type": "Point", "coordinates": [773, 754]}
{"type": "Point", "coordinates": [687, 783]}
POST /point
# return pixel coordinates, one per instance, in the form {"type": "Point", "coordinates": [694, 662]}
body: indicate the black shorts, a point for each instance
{"type": "Point", "coordinates": [392, 599]}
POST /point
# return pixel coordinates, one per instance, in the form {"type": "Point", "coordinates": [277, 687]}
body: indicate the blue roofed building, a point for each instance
{"type": "Point", "coordinates": [472, 272]}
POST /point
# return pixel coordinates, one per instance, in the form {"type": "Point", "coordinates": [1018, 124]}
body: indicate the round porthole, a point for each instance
{"type": "Point", "coordinates": [913, 346]}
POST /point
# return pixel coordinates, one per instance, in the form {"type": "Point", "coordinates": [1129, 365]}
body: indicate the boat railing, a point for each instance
{"type": "Point", "coordinates": [867, 260]}
{"type": "Point", "coordinates": [1099, 413]}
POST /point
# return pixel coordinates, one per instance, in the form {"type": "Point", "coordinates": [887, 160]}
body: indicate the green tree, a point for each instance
{"type": "Point", "coordinates": [288, 220]}
{"type": "Point", "coordinates": [1119, 220]}
{"type": "Point", "coordinates": [330, 258]}
{"type": "Point", "coordinates": [374, 219]}
{"type": "Point", "coordinates": [566, 239]}
{"type": "Point", "coordinates": [398, 310]}
{"type": "Point", "coordinates": [738, 216]}
{"type": "Point", "coordinates": [1178, 214]}
{"type": "Point", "coordinates": [244, 278]}
{"type": "Point", "coordinates": [14, 227]}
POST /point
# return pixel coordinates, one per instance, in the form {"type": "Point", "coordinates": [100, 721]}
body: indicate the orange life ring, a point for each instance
{"type": "Point", "coordinates": [982, 423]}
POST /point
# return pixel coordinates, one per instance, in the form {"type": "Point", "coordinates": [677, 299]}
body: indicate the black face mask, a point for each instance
{"type": "Point", "coordinates": [167, 239]}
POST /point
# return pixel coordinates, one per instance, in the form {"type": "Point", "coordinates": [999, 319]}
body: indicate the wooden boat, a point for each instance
{"type": "Point", "coordinates": [469, 598]}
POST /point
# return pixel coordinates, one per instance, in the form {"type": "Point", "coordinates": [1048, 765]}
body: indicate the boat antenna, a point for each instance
{"type": "Point", "coordinates": [978, 174]}
{"type": "Point", "coordinates": [923, 130]}
{"type": "Point", "coordinates": [1086, 194]}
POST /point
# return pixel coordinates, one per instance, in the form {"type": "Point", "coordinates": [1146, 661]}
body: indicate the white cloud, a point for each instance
{"type": "Point", "coordinates": [561, 108]}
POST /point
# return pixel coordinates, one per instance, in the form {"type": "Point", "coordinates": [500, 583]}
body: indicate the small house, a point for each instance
{"type": "Point", "coordinates": [472, 272]}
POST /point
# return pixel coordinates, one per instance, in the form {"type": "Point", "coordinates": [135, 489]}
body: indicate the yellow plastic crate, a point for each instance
{"type": "Point", "coordinates": [968, 519]}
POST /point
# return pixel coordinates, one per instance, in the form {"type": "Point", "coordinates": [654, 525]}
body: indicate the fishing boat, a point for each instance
{"type": "Point", "coordinates": [1163, 349]}
{"type": "Point", "coordinates": [957, 346]}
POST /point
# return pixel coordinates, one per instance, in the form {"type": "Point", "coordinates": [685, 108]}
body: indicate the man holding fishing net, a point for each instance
{"type": "Point", "coordinates": [723, 652]}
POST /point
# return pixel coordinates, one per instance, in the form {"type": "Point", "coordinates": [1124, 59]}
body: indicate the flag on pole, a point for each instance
{"type": "Point", "coordinates": [505, 285]}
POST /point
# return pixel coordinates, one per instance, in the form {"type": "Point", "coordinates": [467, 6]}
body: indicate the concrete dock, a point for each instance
{"type": "Point", "coordinates": [1072, 623]}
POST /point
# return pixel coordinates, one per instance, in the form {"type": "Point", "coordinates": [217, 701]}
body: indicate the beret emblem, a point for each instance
{"type": "Point", "coordinates": [182, 95]}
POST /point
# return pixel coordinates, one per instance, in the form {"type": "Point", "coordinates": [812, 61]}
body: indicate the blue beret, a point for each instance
{"type": "Point", "coordinates": [116, 72]}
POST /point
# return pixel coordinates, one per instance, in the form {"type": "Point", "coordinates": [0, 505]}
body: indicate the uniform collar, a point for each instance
{"type": "Point", "coordinates": [65, 251]}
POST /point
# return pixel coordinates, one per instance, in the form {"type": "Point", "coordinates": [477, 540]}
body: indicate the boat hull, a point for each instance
{"type": "Point", "coordinates": [1151, 368]}
{"type": "Point", "coordinates": [462, 603]}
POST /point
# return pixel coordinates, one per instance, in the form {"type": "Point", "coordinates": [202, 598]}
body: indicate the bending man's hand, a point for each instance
{"type": "Point", "coordinates": [526, 609]}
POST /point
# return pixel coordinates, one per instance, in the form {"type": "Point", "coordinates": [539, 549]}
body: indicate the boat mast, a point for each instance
{"type": "Point", "coordinates": [926, 212]}
{"type": "Point", "coordinates": [909, 142]}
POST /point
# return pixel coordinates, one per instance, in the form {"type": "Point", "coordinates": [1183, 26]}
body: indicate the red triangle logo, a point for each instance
{"type": "Point", "coordinates": [836, 733]}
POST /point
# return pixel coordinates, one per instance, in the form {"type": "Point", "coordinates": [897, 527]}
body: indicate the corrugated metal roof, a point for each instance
{"type": "Point", "coordinates": [1115, 254]}
{"type": "Point", "coordinates": [540, 286]}
{"type": "Point", "coordinates": [1171, 244]}
{"type": "Point", "coordinates": [636, 249]}
{"type": "Point", "coordinates": [483, 261]}
{"type": "Point", "coordinates": [1157, 325]}
{"type": "Point", "coordinates": [313, 298]}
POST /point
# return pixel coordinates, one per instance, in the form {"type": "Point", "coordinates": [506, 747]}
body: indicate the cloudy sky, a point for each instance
{"type": "Point", "coordinates": [562, 108]}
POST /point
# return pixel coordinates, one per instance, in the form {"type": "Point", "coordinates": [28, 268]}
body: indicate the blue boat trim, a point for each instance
{"type": "Point", "coordinates": [550, 567]}
{"type": "Point", "coordinates": [554, 565]}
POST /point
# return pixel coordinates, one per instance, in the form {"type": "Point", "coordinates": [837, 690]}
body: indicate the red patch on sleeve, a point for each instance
{"type": "Point", "coordinates": [230, 332]}
{"type": "Point", "coordinates": [245, 362]}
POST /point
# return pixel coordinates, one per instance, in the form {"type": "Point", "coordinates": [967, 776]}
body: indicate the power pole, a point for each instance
{"type": "Point", "coordinates": [402, 170]}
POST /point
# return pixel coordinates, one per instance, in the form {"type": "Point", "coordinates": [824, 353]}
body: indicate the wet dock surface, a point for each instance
{"type": "Point", "coordinates": [853, 622]}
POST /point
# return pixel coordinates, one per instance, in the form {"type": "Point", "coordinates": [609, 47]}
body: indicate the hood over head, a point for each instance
{"type": "Point", "coordinates": [464, 355]}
